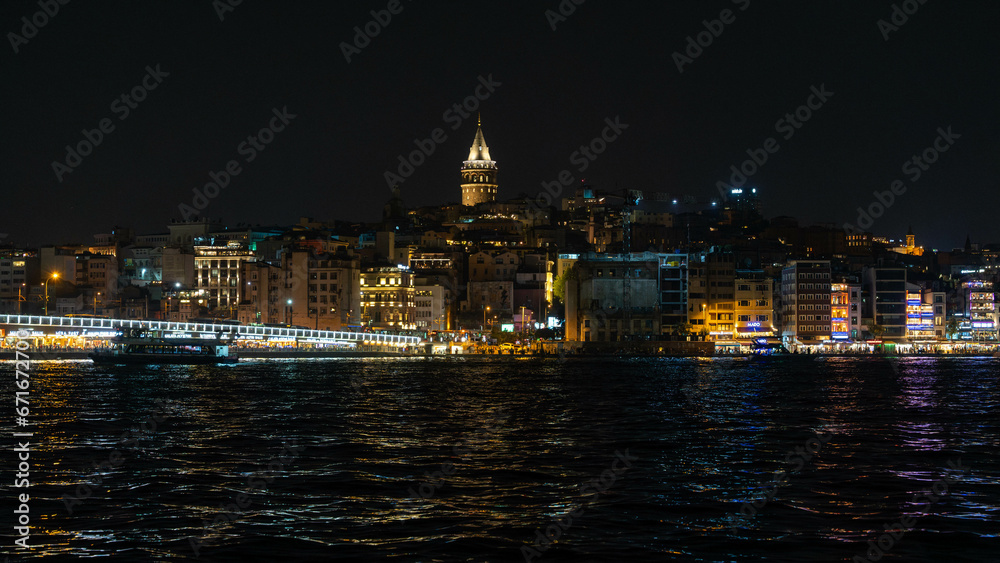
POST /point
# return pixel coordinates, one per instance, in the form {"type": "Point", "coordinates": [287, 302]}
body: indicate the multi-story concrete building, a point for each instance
{"type": "Point", "coordinates": [981, 310]}
{"type": "Point", "coordinates": [325, 290]}
{"type": "Point", "coordinates": [806, 303]}
{"type": "Point", "coordinates": [18, 271]}
{"type": "Point", "coordinates": [264, 295]}
{"type": "Point", "coordinates": [533, 286]}
{"type": "Point", "coordinates": [141, 265]}
{"type": "Point", "coordinates": [613, 298]}
{"type": "Point", "coordinates": [673, 291]}
{"type": "Point", "coordinates": [217, 270]}
{"type": "Point", "coordinates": [388, 298]}
{"type": "Point", "coordinates": [97, 272]}
{"type": "Point", "coordinates": [59, 262]}
{"type": "Point", "coordinates": [754, 307]}
{"type": "Point", "coordinates": [434, 261]}
{"type": "Point", "coordinates": [431, 311]}
{"type": "Point", "coordinates": [484, 266]}
{"type": "Point", "coordinates": [845, 311]}
{"type": "Point", "coordinates": [440, 270]}
{"type": "Point", "coordinates": [177, 266]}
{"type": "Point", "coordinates": [496, 296]}
{"type": "Point", "coordinates": [712, 296]}
{"type": "Point", "coordinates": [181, 305]}
{"type": "Point", "coordinates": [938, 301]}
{"type": "Point", "coordinates": [919, 315]}
{"type": "Point", "coordinates": [886, 306]}
{"type": "Point", "coordinates": [319, 291]}
{"type": "Point", "coordinates": [188, 234]}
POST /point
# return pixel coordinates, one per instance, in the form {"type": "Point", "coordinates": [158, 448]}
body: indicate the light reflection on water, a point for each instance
{"type": "Point", "coordinates": [709, 434]}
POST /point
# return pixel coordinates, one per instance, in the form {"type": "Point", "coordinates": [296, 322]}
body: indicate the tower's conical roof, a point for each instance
{"type": "Point", "coordinates": [479, 150]}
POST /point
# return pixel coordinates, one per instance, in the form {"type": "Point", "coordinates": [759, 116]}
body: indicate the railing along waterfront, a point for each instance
{"type": "Point", "coordinates": [300, 334]}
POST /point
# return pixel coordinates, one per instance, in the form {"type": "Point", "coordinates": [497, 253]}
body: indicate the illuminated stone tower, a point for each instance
{"type": "Point", "coordinates": [479, 173]}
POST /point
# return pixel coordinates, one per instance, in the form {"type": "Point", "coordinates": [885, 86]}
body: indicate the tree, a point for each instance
{"type": "Point", "coordinates": [876, 330]}
{"type": "Point", "coordinates": [951, 329]}
{"type": "Point", "coordinates": [559, 285]}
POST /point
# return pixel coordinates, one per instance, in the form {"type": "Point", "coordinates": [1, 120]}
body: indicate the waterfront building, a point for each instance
{"type": "Point", "coordinates": [321, 291]}
{"type": "Point", "coordinates": [980, 309]}
{"type": "Point", "coordinates": [217, 270]}
{"type": "Point", "coordinates": [180, 305]}
{"type": "Point", "coordinates": [432, 270]}
{"type": "Point", "coordinates": [754, 307]}
{"type": "Point", "coordinates": [673, 292]}
{"type": "Point", "coordinates": [887, 301]}
{"type": "Point", "coordinates": [806, 303]}
{"type": "Point", "coordinates": [431, 307]}
{"type": "Point", "coordinates": [919, 315]}
{"type": "Point", "coordinates": [97, 272]}
{"type": "Point", "coordinates": [845, 312]}
{"type": "Point", "coordinates": [711, 295]}
{"type": "Point", "coordinates": [613, 298]}
{"type": "Point", "coordinates": [533, 284]}
{"type": "Point", "coordinates": [388, 298]}
{"type": "Point", "coordinates": [19, 269]}
{"type": "Point", "coordinates": [938, 301]}
{"type": "Point", "coordinates": [264, 295]}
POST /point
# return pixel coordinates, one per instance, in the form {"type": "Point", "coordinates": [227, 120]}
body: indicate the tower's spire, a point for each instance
{"type": "Point", "coordinates": [479, 120]}
{"type": "Point", "coordinates": [479, 150]}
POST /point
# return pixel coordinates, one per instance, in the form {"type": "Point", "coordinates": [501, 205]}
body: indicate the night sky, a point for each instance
{"type": "Point", "coordinates": [556, 88]}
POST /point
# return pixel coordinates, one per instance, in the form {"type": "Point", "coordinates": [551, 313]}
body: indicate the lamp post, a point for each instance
{"type": "Point", "coordinates": [486, 310]}
{"type": "Point", "coordinates": [19, 299]}
{"type": "Point", "coordinates": [96, 295]}
{"type": "Point", "coordinates": [522, 319]}
{"type": "Point", "coordinates": [289, 318]}
{"type": "Point", "coordinates": [54, 276]}
{"type": "Point", "coordinates": [704, 323]}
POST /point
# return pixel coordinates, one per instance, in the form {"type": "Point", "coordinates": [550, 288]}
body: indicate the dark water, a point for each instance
{"type": "Point", "coordinates": [316, 460]}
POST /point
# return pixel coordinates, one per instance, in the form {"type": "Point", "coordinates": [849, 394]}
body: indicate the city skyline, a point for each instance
{"type": "Point", "coordinates": [566, 280]}
{"type": "Point", "coordinates": [543, 93]}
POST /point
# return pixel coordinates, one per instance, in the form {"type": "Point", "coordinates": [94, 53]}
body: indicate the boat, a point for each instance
{"type": "Point", "coordinates": [139, 346]}
{"type": "Point", "coordinates": [762, 347]}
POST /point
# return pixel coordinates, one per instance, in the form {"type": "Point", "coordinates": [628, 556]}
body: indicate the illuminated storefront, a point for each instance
{"type": "Point", "coordinates": [840, 304]}
{"type": "Point", "coordinates": [981, 311]}
{"type": "Point", "coordinates": [919, 318]}
{"type": "Point", "coordinates": [754, 310]}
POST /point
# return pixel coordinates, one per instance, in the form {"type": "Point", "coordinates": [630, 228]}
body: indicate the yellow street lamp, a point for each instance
{"type": "Point", "coordinates": [54, 276]}
{"type": "Point", "coordinates": [19, 299]}
{"type": "Point", "coordinates": [704, 322]}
